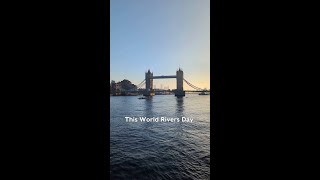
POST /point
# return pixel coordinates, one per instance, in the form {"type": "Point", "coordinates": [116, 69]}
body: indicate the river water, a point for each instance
{"type": "Point", "coordinates": [160, 150]}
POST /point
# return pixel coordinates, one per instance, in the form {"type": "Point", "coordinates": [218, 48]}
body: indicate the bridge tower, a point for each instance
{"type": "Point", "coordinates": [149, 84]}
{"type": "Point", "coordinates": [179, 91]}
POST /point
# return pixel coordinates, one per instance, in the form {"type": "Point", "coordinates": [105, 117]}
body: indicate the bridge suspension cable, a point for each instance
{"type": "Point", "coordinates": [141, 84]}
{"type": "Point", "coordinates": [138, 86]}
{"type": "Point", "coordinates": [193, 86]}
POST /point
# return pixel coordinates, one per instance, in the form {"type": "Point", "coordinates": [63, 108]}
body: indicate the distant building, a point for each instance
{"type": "Point", "coordinates": [124, 87]}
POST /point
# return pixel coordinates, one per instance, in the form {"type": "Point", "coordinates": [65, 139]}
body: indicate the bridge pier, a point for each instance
{"type": "Point", "coordinates": [148, 93]}
{"type": "Point", "coordinates": [179, 93]}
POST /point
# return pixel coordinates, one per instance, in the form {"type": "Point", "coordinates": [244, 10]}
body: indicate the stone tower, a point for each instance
{"type": "Point", "coordinates": [179, 91]}
{"type": "Point", "coordinates": [149, 84]}
{"type": "Point", "coordinates": [149, 80]}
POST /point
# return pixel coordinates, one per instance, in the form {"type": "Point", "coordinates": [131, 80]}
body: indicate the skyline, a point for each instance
{"type": "Point", "coordinates": [161, 36]}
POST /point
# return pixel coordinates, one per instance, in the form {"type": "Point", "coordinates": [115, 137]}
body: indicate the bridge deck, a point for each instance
{"type": "Point", "coordinates": [195, 91]}
{"type": "Point", "coordinates": [163, 77]}
{"type": "Point", "coordinates": [168, 91]}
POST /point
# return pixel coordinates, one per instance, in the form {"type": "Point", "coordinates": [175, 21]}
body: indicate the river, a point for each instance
{"type": "Point", "coordinates": [160, 149]}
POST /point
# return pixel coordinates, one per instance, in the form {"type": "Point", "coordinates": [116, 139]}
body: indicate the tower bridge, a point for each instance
{"type": "Point", "coordinates": [149, 83]}
{"type": "Point", "coordinates": [149, 91]}
{"type": "Point", "coordinates": [179, 91]}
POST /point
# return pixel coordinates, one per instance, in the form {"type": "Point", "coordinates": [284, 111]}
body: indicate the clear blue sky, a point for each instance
{"type": "Point", "coordinates": [160, 35]}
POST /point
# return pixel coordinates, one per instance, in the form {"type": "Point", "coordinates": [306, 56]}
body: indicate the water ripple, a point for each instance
{"type": "Point", "coordinates": [160, 150]}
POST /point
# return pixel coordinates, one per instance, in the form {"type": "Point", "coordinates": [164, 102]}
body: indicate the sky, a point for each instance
{"type": "Point", "coordinates": [160, 35]}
